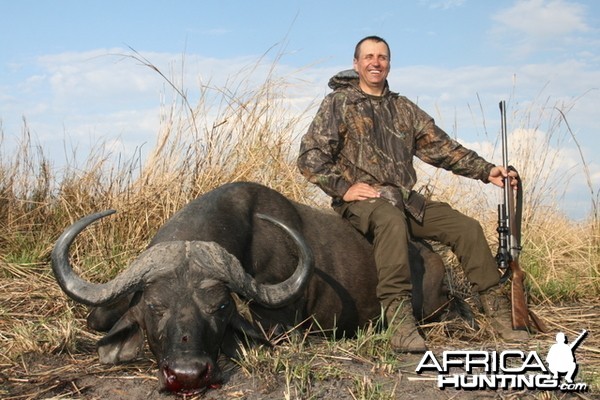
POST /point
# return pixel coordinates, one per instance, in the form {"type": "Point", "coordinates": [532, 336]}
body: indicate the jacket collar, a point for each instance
{"type": "Point", "coordinates": [349, 79]}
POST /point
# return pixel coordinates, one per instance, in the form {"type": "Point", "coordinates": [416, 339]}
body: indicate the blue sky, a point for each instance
{"type": "Point", "coordinates": [58, 67]}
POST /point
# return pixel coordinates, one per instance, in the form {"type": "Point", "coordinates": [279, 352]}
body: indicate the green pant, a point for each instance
{"type": "Point", "coordinates": [389, 229]}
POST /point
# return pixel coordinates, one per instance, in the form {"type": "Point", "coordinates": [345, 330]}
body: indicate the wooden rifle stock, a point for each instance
{"type": "Point", "coordinates": [520, 311]}
{"type": "Point", "coordinates": [522, 317]}
{"type": "Point", "coordinates": [509, 230]}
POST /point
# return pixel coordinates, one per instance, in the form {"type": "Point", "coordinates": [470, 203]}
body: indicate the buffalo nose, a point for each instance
{"type": "Point", "coordinates": [189, 377]}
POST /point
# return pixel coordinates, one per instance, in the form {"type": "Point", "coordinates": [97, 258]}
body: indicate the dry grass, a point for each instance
{"type": "Point", "coordinates": [250, 134]}
{"type": "Point", "coordinates": [46, 349]}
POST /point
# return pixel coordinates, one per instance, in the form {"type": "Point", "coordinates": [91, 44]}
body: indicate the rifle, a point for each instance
{"type": "Point", "coordinates": [575, 343]}
{"type": "Point", "coordinates": [509, 243]}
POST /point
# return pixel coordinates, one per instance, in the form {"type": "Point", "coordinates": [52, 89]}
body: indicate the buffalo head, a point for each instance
{"type": "Point", "coordinates": [179, 293]}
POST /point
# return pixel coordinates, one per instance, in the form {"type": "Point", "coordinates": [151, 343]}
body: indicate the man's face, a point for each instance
{"type": "Point", "coordinates": [373, 66]}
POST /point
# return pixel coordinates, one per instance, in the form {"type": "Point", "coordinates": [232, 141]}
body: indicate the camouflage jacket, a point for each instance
{"type": "Point", "coordinates": [356, 137]}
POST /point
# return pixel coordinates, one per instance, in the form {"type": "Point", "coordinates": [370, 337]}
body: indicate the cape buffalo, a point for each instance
{"type": "Point", "coordinates": [292, 262]}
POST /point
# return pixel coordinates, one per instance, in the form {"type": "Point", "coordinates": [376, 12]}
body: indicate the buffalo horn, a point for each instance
{"type": "Point", "coordinates": [153, 260]}
{"type": "Point", "coordinates": [229, 270]}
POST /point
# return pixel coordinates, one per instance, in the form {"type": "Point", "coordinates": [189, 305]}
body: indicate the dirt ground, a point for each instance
{"type": "Point", "coordinates": [79, 376]}
{"type": "Point", "coordinates": [70, 370]}
{"type": "Point", "coordinates": [46, 378]}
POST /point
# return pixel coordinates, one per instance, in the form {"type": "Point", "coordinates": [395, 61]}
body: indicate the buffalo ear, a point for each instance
{"type": "Point", "coordinates": [247, 331]}
{"type": "Point", "coordinates": [103, 318]}
{"type": "Point", "coordinates": [123, 342]}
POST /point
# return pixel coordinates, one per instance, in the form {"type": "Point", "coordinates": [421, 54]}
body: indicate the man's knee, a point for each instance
{"type": "Point", "coordinates": [462, 228]}
{"type": "Point", "coordinates": [388, 218]}
{"type": "Point", "coordinates": [389, 234]}
{"type": "Point", "coordinates": [470, 226]}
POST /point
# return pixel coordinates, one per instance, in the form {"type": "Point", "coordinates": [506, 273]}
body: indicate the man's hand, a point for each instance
{"type": "Point", "coordinates": [498, 173]}
{"type": "Point", "coordinates": [360, 191]}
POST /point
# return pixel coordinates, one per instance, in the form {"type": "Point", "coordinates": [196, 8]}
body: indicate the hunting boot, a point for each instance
{"type": "Point", "coordinates": [403, 326]}
{"type": "Point", "coordinates": [497, 309]}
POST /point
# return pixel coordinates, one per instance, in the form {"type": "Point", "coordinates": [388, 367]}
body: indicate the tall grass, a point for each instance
{"type": "Point", "coordinates": [248, 135]}
{"type": "Point", "coordinates": [245, 131]}
{"type": "Point", "coordinates": [233, 133]}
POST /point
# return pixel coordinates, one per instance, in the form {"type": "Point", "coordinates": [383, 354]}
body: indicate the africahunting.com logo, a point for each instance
{"type": "Point", "coordinates": [509, 369]}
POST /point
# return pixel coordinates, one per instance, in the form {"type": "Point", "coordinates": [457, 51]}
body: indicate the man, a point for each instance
{"type": "Point", "coordinates": [359, 150]}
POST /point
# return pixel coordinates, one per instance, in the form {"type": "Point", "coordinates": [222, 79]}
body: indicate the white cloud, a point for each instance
{"type": "Point", "coordinates": [442, 4]}
{"type": "Point", "coordinates": [535, 24]}
{"type": "Point", "coordinates": [545, 19]}
{"type": "Point", "coordinates": [106, 96]}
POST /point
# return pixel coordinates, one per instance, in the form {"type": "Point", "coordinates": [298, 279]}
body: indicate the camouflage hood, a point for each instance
{"type": "Point", "coordinates": [345, 78]}
{"type": "Point", "coordinates": [349, 78]}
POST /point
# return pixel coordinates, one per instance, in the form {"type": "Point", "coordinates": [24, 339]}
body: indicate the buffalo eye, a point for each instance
{"type": "Point", "coordinates": [220, 307]}
{"type": "Point", "coordinates": [156, 308]}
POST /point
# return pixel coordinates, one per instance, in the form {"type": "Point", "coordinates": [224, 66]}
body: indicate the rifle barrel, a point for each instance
{"type": "Point", "coordinates": [504, 136]}
{"type": "Point", "coordinates": [508, 192]}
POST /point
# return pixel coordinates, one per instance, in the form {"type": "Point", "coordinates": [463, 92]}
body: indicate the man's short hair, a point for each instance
{"type": "Point", "coordinates": [373, 38]}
